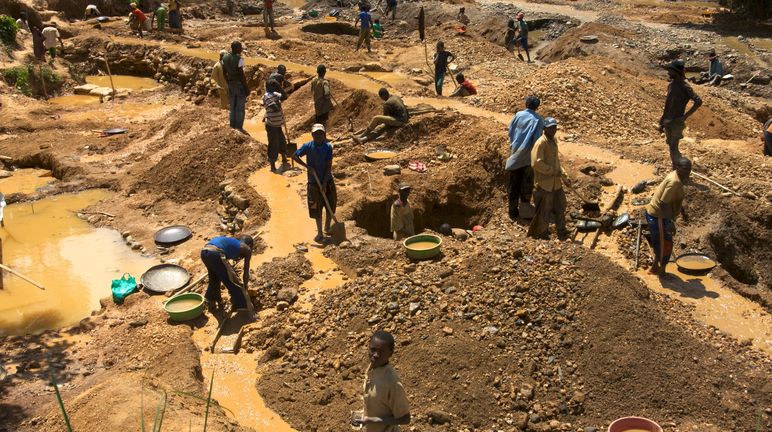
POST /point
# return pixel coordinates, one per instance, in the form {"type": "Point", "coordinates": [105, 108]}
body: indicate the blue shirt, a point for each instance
{"type": "Point", "coordinates": [366, 19]}
{"type": "Point", "coordinates": [318, 158]}
{"type": "Point", "coordinates": [716, 68]}
{"type": "Point", "coordinates": [231, 246]}
{"type": "Point", "coordinates": [524, 130]}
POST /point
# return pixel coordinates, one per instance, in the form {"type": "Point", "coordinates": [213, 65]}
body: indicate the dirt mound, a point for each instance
{"type": "Point", "coordinates": [279, 280]}
{"type": "Point", "coordinates": [498, 336]}
{"type": "Point", "coordinates": [194, 170]}
{"type": "Point", "coordinates": [570, 45]}
{"type": "Point", "coordinates": [103, 367]}
{"type": "Point", "coordinates": [358, 105]}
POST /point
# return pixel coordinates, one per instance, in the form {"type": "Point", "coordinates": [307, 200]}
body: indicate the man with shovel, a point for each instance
{"type": "Point", "coordinates": [215, 256]}
{"type": "Point", "coordinates": [321, 186]}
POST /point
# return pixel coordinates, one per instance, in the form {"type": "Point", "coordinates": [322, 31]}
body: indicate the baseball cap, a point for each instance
{"type": "Point", "coordinates": [550, 121]}
{"type": "Point", "coordinates": [317, 127]}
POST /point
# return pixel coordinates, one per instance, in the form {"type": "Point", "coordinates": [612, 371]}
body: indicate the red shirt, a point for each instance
{"type": "Point", "coordinates": [268, 4]}
{"type": "Point", "coordinates": [469, 87]}
{"type": "Point", "coordinates": [140, 16]}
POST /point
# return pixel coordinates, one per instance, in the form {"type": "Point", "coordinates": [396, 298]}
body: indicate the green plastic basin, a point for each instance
{"type": "Point", "coordinates": [423, 252]}
{"type": "Point", "coordinates": [185, 307]}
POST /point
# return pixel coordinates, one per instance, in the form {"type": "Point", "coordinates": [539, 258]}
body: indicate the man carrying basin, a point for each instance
{"type": "Point", "coordinates": [318, 155]}
{"type": "Point", "coordinates": [215, 256]}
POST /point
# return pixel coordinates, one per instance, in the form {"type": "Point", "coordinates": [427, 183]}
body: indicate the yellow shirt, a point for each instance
{"type": "Point", "coordinates": [218, 76]}
{"type": "Point", "coordinates": [401, 220]}
{"type": "Point", "coordinates": [546, 164]}
{"type": "Point", "coordinates": [384, 396]}
{"type": "Point", "coordinates": [668, 198]}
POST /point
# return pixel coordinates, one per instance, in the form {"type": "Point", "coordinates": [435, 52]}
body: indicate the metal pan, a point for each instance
{"type": "Point", "coordinates": [114, 131]}
{"type": "Point", "coordinates": [587, 225]}
{"type": "Point", "coordinates": [165, 277]}
{"type": "Point", "coordinates": [172, 235]}
{"type": "Point", "coordinates": [379, 155]}
{"type": "Point", "coordinates": [695, 263]}
{"type": "Point", "coordinates": [621, 220]}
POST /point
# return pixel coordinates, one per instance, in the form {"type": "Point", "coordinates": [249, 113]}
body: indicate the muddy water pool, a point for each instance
{"type": "Point", "coordinates": [123, 81]}
{"type": "Point", "coordinates": [46, 241]}
{"type": "Point", "coordinates": [26, 181]}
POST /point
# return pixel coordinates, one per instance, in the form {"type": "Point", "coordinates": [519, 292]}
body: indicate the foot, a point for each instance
{"type": "Point", "coordinates": [514, 215]}
{"type": "Point", "coordinates": [653, 270]}
{"type": "Point", "coordinates": [273, 166]}
{"type": "Point", "coordinates": [319, 238]}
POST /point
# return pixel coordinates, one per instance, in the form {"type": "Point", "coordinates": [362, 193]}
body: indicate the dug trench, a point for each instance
{"type": "Point", "coordinates": [513, 333]}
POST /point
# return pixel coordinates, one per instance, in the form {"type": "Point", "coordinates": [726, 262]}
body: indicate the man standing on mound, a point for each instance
{"type": "Point", "coordinates": [318, 155]}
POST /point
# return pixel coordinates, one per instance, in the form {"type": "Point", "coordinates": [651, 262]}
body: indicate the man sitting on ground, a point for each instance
{"type": "Point", "coordinates": [394, 115]}
{"type": "Point", "coordinates": [465, 88]}
{"type": "Point", "coordinates": [715, 72]}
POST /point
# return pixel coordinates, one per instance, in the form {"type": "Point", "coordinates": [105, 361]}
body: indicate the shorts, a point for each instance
{"type": "Point", "coordinates": [322, 118]}
{"type": "Point", "coordinates": [524, 42]}
{"type": "Point", "coordinates": [316, 201]}
{"type": "Point", "coordinates": [674, 130]}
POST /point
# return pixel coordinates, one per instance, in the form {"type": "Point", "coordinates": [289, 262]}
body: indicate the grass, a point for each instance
{"type": "Point", "coordinates": [208, 400]}
{"type": "Point", "coordinates": [20, 77]}
{"type": "Point", "coordinates": [61, 403]}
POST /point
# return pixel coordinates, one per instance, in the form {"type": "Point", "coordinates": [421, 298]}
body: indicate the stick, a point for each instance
{"type": "Point", "coordinates": [638, 243]}
{"type": "Point", "coordinates": [220, 329]}
{"type": "Point", "coordinates": [6, 158]}
{"type": "Point", "coordinates": [189, 286]}
{"type": "Point", "coordinates": [1, 261]}
{"type": "Point", "coordinates": [95, 212]}
{"type": "Point", "coordinates": [14, 272]}
{"type": "Point", "coordinates": [107, 64]}
{"type": "Point", "coordinates": [716, 183]}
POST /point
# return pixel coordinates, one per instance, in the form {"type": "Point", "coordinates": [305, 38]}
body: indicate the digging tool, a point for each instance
{"type": "Point", "coordinates": [638, 243]}
{"type": "Point", "coordinates": [294, 145]}
{"type": "Point", "coordinates": [109, 74]}
{"type": "Point", "coordinates": [189, 286]}
{"type": "Point", "coordinates": [704, 177]}
{"type": "Point", "coordinates": [587, 205]}
{"type": "Point", "coordinates": [338, 229]}
{"type": "Point", "coordinates": [606, 220]}
{"type": "Point", "coordinates": [228, 315]}
{"type": "Point", "coordinates": [15, 273]}
{"type": "Point", "coordinates": [348, 117]}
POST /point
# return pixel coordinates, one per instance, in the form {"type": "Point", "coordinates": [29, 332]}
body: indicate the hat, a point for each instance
{"type": "Point", "coordinates": [712, 54]}
{"type": "Point", "coordinates": [405, 186]}
{"type": "Point", "coordinates": [133, 5]}
{"type": "Point", "coordinates": [317, 127]}
{"type": "Point", "coordinates": [550, 121]}
{"type": "Point", "coordinates": [678, 66]}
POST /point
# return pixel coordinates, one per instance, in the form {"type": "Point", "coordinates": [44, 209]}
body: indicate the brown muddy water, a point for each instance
{"type": "Point", "coordinates": [46, 241]}
{"type": "Point", "coordinates": [26, 181]}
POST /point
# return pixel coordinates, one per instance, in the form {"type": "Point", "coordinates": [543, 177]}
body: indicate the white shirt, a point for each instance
{"type": "Point", "coordinates": [50, 35]}
{"type": "Point", "coordinates": [22, 24]}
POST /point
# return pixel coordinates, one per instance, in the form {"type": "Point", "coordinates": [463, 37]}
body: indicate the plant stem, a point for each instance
{"type": "Point", "coordinates": [61, 403]}
{"type": "Point", "coordinates": [208, 400]}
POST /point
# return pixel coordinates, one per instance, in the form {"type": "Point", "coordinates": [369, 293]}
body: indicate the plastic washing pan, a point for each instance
{"type": "Point", "coordinates": [185, 307]}
{"type": "Point", "coordinates": [172, 235]}
{"type": "Point", "coordinates": [165, 277]}
{"type": "Point", "coordinates": [695, 263]}
{"type": "Point", "coordinates": [422, 246]}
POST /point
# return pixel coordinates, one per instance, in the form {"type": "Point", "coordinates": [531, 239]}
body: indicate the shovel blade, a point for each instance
{"type": "Point", "coordinates": [338, 233]}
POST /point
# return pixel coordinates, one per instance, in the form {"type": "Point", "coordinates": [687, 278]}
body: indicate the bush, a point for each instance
{"type": "Point", "coordinates": [21, 78]}
{"type": "Point", "coordinates": [8, 30]}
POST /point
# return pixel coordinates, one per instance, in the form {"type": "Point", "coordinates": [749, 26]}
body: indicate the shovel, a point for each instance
{"type": "Point", "coordinates": [348, 117]}
{"type": "Point", "coordinates": [338, 229]}
{"type": "Point", "coordinates": [587, 205]}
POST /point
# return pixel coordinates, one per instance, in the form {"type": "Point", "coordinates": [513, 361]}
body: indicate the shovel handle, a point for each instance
{"type": "Point", "coordinates": [324, 194]}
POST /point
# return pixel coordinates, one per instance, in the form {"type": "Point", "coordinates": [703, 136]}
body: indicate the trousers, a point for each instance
{"type": "Point", "coordinates": [519, 189]}
{"type": "Point", "coordinates": [237, 99]}
{"type": "Point", "coordinates": [219, 273]}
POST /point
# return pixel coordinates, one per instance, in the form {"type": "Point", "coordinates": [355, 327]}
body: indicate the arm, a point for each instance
{"type": "Point", "coordinates": [246, 252]}
{"type": "Point", "coordinates": [684, 215]}
{"type": "Point", "coordinates": [451, 57]}
{"type": "Point", "coordinates": [538, 163]}
{"type": "Point", "coordinates": [296, 157]}
{"type": "Point", "coordinates": [696, 102]}
{"type": "Point", "coordinates": [458, 91]}
{"type": "Point", "coordinates": [243, 78]}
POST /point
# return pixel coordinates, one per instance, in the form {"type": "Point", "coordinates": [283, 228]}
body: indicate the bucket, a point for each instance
{"type": "Point", "coordinates": [422, 246]}
{"type": "Point", "coordinates": [630, 424]}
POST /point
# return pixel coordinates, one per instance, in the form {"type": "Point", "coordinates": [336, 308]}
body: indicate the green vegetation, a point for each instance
{"type": "Point", "coordinates": [22, 77]}
{"type": "Point", "coordinates": [61, 403]}
{"type": "Point", "coordinates": [8, 30]}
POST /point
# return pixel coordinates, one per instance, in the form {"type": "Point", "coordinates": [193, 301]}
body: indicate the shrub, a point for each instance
{"type": "Point", "coordinates": [21, 77]}
{"type": "Point", "coordinates": [8, 30]}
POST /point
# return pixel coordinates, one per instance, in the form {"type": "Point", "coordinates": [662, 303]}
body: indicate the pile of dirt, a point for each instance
{"type": "Point", "coordinates": [358, 105]}
{"type": "Point", "coordinates": [279, 280]}
{"type": "Point", "coordinates": [530, 337]}
{"type": "Point", "coordinates": [105, 367]}
{"type": "Point", "coordinates": [194, 170]}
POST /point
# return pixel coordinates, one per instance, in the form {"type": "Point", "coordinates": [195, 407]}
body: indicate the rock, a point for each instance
{"type": "Point", "coordinates": [413, 308]}
{"type": "Point", "coordinates": [460, 234]}
{"type": "Point", "coordinates": [437, 417]}
{"type": "Point", "coordinates": [392, 170]}
{"type": "Point", "coordinates": [639, 187]}
{"type": "Point", "coordinates": [282, 305]}
{"type": "Point", "coordinates": [5, 174]}
{"type": "Point", "coordinates": [239, 201]}
{"type": "Point", "coordinates": [302, 248]}
{"type": "Point", "coordinates": [392, 307]}
{"type": "Point", "coordinates": [605, 181]}
{"type": "Point", "coordinates": [588, 169]}
{"type": "Point", "coordinates": [447, 330]}
{"type": "Point", "coordinates": [101, 92]}
{"type": "Point", "coordinates": [138, 323]}
{"type": "Point", "coordinates": [374, 319]}
{"type": "Point", "coordinates": [491, 330]}
{"type": "Point", "coordinates": [590, 429]}
{"type": "Point", "coordinates": [520, 420]}
{"type": "Point", "coordinates": [289, 295]}
{"type": "Point", "coordinates": [84, 89]}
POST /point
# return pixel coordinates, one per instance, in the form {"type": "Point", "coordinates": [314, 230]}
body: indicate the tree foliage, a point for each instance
{"type": "Point", "coordinates": [8, 30]}
{"type": "Point", "coordinates": [760, 9]}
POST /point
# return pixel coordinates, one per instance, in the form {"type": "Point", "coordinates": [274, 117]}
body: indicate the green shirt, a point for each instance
{"type": "Point", "coordinates": [377, 31]}
{"type": "Point", "coordinates": [161, 12]}
{"type": "Point", "coordinates": [232, 65]}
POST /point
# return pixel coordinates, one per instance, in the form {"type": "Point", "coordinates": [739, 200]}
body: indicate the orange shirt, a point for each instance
{"type": "Point", "coordinates": [139, 14]}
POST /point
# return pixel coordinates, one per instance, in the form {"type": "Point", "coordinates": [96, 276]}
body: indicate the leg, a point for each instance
{"type": "Point", "coordinates": [674, 131]}
{"type": "Point", "coordinates": [439, 77]}
{"type": "Point", "coordinates": [367, 40]}
{"type": "Point", "coordinates": [539, 227]}
{"type": "Point", "coordinates": [273, 145]}
{"type": "Point", "coordinates": [241, 101]}
{"type": "Point", "coordinates": [513, 192]}
{"type": "Point", "coordinates": [527, 185]}
{"type": "Point", "coordinates": [210, 259]}
{"type": "Point", "coordinates": [362, 34]}
{"type": "Point", "coordinates": [232, 105]}
{"type": "Point", "coordinates": [314, 209]}
{"type": "Point", "coordinates": [559, 211]}
{"type": "Point", "coordinates": [332, 197]}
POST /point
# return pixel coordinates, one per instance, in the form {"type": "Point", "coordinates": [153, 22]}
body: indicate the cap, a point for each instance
{"type": "Point", "coordinates": [712, 54]}
{"type": "Point", "coordinates": [678, 66]}
{"type": "Point", "coordinates": [317, 127]}
{"type": "Point", "coordinates": [405, 186]}
{"type": "Point", "coordinates": [550, 121]}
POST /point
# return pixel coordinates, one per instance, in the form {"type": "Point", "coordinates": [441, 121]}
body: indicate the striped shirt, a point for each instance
{"type": "Point", "coordinates": [274, 116]}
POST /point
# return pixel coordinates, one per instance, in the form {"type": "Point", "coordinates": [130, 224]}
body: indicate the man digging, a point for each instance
{"type": "Point", "coordinates": [318, 155]}
{"type": "Point", "coordinates": [215, 256]}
